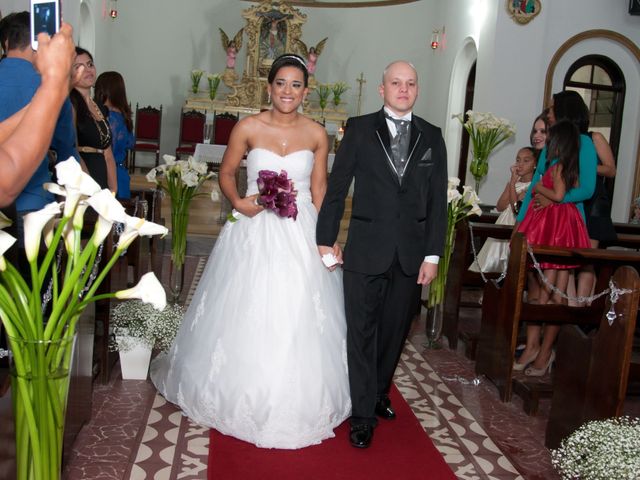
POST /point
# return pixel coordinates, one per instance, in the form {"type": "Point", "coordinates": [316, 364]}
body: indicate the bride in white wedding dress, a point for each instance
{"type": "Point", "coordinates": [261, 353]}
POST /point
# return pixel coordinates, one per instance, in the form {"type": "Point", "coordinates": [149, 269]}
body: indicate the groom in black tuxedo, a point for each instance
{"type": "Point", "coordinates": [396, 236]}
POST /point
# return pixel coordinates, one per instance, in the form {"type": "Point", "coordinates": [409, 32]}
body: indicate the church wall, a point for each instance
{"type": "Point", "coordinates": [155, 44]}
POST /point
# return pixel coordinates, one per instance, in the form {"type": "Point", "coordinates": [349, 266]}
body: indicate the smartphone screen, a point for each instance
{"type": "Point", "coordinates": [44, 19]}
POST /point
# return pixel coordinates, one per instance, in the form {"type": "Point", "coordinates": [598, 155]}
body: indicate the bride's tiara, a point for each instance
{"type": "Point", "coordinates": [294, 57]}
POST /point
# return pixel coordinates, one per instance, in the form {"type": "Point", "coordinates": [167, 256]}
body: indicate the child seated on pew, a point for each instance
{"type": "Point", "coordinates": [557, 225]}
{"type": "Point", "coordinates": [494, 254]}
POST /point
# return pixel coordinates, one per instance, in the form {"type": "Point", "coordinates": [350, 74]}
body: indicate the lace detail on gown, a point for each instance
{"type": "Point", "coordinates": [263, 344]}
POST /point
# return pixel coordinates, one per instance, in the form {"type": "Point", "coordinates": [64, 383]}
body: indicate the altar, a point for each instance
{"type": "Point", "coordinates": [271, 28]}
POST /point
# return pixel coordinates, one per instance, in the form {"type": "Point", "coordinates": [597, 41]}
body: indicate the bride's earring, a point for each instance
{"type": "Point", "coordinates": [269, 98]}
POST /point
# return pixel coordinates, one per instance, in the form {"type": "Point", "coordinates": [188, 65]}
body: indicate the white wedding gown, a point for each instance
{"type": "Point", "coordinates": [261, 353]}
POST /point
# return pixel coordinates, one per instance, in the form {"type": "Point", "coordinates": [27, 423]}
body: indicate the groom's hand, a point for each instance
{"type": "Point", "coordinates": [427, 273]}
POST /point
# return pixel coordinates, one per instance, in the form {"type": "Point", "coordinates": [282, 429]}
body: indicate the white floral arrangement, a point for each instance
{"type": "Point", "coordinates": [601, 449]}
{"type": "Point", "coordinates": [181, 179]}
{"type": "Point", "coordinates": [135, 323]}
{"type": "Point", "coordinates": [486, 131]}
{"type": "Point", "coordinates": [459, 206]}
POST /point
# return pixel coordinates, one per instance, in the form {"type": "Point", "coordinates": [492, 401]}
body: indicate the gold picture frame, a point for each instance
{"type": "Point", "coordinates": [272, 28]}
{"type": "Point", "coordinates": [523, 11]}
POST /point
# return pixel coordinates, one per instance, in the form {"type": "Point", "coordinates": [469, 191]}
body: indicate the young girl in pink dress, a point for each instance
{"type": "Point", "coordinates": [559, 224]}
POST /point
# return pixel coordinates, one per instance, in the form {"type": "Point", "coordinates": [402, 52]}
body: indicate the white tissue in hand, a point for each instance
{"type": "Point", "coordinates": [329, 260]}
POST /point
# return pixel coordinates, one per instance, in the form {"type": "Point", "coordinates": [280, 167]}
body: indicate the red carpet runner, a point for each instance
{"type": "Point", "coordinates": [400, 450]}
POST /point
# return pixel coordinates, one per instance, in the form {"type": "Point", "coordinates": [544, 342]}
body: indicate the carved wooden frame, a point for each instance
{"type": "Point", "coordinates": [256, 66]}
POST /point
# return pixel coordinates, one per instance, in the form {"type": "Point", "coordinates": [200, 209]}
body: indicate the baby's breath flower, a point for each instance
{"type": "Point", "coordinates": [601, 449]}
{"type": "Point", "coordinates": [134, 322]}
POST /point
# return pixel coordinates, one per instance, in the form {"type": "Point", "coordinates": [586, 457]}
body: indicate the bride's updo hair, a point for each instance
{"type": "Point", "coordinates": [289, 60]}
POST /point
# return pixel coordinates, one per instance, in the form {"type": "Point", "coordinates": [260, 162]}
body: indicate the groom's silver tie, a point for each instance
{"type": "Point", "coordinates": [400, 145]}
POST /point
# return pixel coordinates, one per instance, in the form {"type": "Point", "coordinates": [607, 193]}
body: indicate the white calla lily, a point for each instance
{"type": "Point", "coordinates": [34, 222]}
{"type": "Point", "coordinates": [136, 227]}
{"type": "Point", "coordinates": [76, 183]}
{"type": "Point", "coordinates": [4, 221]}
{"type": "Point", "coordinates": [106, 205]}
{"type": "Point", "coordinates": [149, 290]}
{"type": "Point", "coordinates": [48, 231]}
{"type": "Point", "coordinates": [55, 189]}
{"type": "Point", "coordinates": [6, 241]}
{"type": "Point", "coordinates": [102, 229]}
{"type": "Point", "coordinates": [169, 159]}
{"type": "Point", "coordinates": [151, 176]}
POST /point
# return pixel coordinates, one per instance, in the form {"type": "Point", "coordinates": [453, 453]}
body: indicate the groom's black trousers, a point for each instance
{"type": "Point", "coordinates": [379, 311]}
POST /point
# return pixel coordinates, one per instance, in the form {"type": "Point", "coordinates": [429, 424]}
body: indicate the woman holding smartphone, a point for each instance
{"type": "Point", "coordinates": [92, 126]}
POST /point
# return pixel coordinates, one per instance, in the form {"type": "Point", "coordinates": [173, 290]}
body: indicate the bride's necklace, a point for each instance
{"type": "Point", "coordinates": [283, 145]}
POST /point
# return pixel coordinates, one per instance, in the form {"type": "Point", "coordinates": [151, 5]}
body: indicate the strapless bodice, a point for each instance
{"type": "Point", "coordinates": [298, 166]}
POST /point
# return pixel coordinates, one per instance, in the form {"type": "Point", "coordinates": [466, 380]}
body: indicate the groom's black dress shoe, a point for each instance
{"type": "Point", "coordinates": [384, 410]}
{"type": "Point", "coordinates": [361, 435]}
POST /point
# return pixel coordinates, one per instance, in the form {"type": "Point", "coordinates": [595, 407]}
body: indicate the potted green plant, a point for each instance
{"type": "Point", "coordinates": [600, 449]}
{"type": "Point", "coordinates": [137, 329]}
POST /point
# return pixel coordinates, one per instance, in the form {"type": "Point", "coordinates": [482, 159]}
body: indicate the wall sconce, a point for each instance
{"type": "Point", "coordinates": [113, 10]}
{"type": "Point", "coordinates": [435, 38]}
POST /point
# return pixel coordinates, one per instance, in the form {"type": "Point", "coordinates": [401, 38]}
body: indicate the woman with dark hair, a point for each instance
{"type": "Point", "coordinates": [92, 126]}
{"type": "Point", "coordinates": [261, 353]}
{"type": "Point", "coordinates": [111, 92]}
{"type": "Point", "coordinates": [538, 355]}
{"type": "Point", "coordinates": [538, 135]}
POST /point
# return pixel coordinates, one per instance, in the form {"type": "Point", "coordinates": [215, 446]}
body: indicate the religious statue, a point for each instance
{"type": "Point", "coordinates": [273, 34]}
{"type": "Point", "coordinates": [311, 54]}
{"type": "Point", "coordinates": [231, 47]}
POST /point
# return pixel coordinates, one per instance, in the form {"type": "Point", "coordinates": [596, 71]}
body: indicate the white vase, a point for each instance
{"type": "Point", "coordinates": [134, 363]}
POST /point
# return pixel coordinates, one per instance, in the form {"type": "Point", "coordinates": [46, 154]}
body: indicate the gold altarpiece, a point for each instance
{"type": "Point", "coordinates": [272, 28]}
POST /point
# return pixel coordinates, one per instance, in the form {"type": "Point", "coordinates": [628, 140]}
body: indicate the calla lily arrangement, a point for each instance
{"type": "Point", "coordinates": [40, 346]}
{"type": "Point", "coordinates": [214, 82]}
{"type": "Point", "coordinates": [459, 206]}
{"type": "Point", "coordinates": [196, 75]}
{"type": "Point", "coordinates": [181, 179]}
{"type": "Point", "coordinates": [323, 90]}
{"type": "Point", "coordinates": [338, 89]}
{"type": "Point", "coordinates": [486, 132]}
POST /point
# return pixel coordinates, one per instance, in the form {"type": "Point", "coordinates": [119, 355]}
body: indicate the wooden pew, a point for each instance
{"type": "Point", "coordinates": [459, 275]}
{"type": "Point", "coordinates": [591, 379]}
{"type": "Point", "coordinates": [503, 308]}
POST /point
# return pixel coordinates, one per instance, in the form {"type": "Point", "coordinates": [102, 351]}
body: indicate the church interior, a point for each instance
{"type": "Point", "coordinates": [506, 57]}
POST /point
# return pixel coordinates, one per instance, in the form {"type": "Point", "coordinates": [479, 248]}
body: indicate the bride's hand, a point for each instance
{"type": "Point", "coordinates": [248, 207]}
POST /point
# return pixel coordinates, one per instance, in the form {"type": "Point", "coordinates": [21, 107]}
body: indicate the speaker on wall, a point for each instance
{"type": "Point", "coordinates": [634, 7]}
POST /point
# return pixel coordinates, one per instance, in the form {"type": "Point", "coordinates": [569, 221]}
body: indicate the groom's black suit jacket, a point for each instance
{"type": "Point", "coordinates": [387, 216]}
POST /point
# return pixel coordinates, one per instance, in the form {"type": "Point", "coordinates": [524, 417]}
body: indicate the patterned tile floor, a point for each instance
{"type": "Point", "coordinates": [135, 434]}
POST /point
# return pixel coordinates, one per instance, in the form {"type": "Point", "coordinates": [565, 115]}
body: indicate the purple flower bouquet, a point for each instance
{"type": "Point", "coordinates": [276, 193]}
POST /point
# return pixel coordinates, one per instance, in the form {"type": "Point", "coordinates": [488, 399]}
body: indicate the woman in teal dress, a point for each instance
{"type": "Point", "coordinates": [111, 92]}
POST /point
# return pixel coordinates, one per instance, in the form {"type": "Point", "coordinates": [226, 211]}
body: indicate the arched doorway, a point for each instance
{"type": "Point", "coordinates": [86, 32]}
{"type": "Point", "coordinates": [601, 84]}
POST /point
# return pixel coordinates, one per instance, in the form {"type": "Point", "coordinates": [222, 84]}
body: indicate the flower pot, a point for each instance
{"type": "Point", "coordinates": [134, 362]}
{"type": "Point", "coordinates": [39, 387]}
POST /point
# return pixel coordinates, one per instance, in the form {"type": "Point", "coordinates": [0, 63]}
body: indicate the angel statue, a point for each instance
{"type": "Point", "coordinates": [311, 54]}
{"type": "Point", "coordinates": [231, 46]}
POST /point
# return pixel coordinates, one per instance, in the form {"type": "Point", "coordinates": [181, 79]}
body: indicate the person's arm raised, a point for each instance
{"type": "Point", "coordinates": [23, 150]}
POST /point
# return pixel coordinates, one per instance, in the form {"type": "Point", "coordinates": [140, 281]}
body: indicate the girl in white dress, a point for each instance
{"type": "Point", "coordinates": [261, 353]}
{"type": "Point", "coordinates": [494, 254]}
